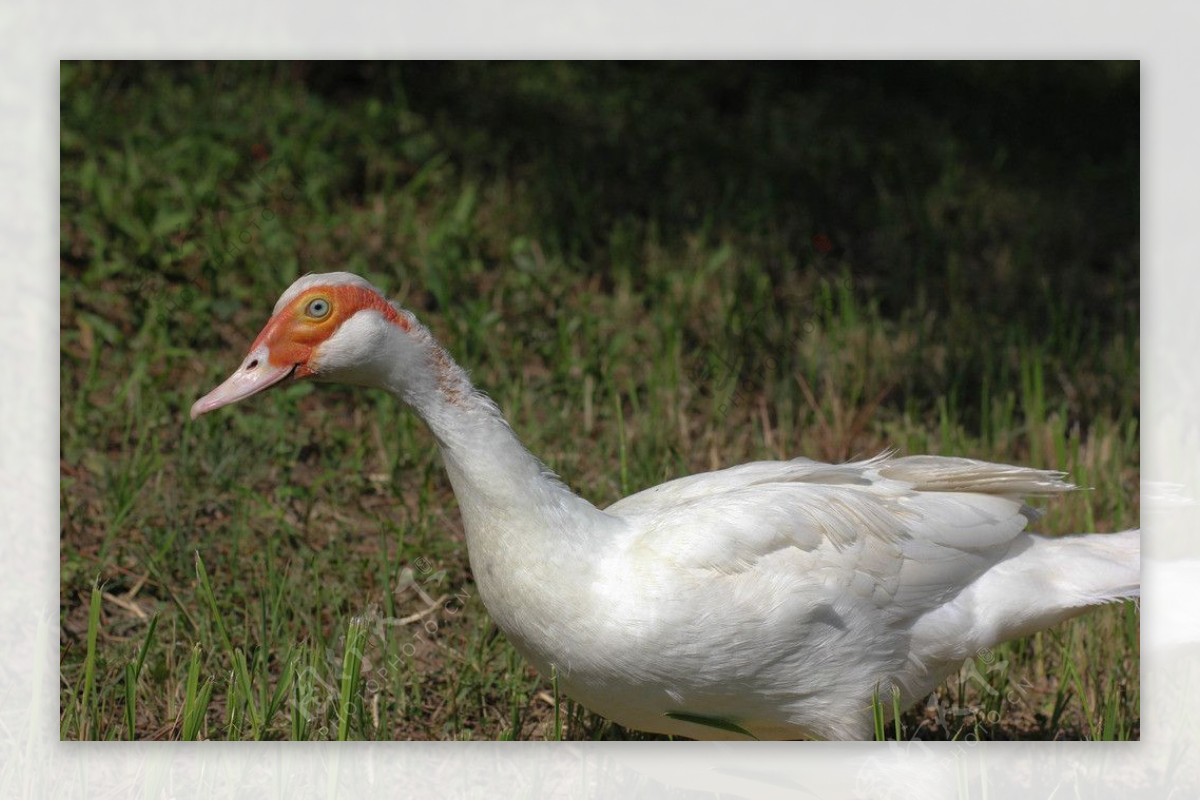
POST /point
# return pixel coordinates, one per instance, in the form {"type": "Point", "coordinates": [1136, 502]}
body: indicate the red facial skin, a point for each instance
{"type": "Point", "coordinates": [290, 337]}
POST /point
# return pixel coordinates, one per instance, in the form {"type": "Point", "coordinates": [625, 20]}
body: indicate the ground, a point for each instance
{"type": "Point", "coordinates": [654, 269]}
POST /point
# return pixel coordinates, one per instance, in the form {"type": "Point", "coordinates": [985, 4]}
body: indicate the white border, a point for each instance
{"type": "Point", "coordinates": [37, 34]}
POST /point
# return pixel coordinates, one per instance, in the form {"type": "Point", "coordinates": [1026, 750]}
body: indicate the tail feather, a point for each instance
{"type": "Point", "coordinates": [953, 474]}
{"type": "Point", "coordinates": [1117, 562]}
{"type": "Point", "coordinates": [1046, 580]}
{"type": "Point", "coordinates": [1043, 581]}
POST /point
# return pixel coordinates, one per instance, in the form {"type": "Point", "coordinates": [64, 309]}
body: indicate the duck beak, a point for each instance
{"type": "Point", "coordinates": [256, 374]}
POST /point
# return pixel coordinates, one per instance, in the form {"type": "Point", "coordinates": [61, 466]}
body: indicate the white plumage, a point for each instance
{"type": "Point", "coordinates": [773, 598]}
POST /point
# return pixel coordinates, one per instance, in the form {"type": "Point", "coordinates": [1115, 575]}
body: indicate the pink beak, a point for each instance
{"type": "Point", "coordinates": [256, 374]}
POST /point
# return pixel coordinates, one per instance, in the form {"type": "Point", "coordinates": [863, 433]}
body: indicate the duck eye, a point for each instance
{"type": "Point", "coordinates": [317, 308]}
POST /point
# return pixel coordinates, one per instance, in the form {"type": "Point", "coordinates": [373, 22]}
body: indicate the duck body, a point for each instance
{"type": "Point", "coordinates": [781, 596]}
{"type": "Point", "coordinates": [771, 600]}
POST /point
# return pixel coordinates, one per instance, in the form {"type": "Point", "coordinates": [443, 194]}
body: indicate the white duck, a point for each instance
{"type": "Point", "coordinates": [772, 599]}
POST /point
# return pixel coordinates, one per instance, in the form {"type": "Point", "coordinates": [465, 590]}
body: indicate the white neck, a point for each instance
{"type": "Point", "coordinates": [523, 525]}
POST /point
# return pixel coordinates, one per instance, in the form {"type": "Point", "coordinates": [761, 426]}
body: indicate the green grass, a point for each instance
{"type": "Point", "coordinates": [654, 269]}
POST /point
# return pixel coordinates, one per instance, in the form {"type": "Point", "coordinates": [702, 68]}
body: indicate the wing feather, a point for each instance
{"type": "Point", "coordinates": [906, 533]}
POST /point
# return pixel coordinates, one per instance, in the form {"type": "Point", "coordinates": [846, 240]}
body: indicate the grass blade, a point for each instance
{"type": "Point", "coordinates": [280, 693]}
{"type": "Point", "coordinates": [877, 716]}
{"type": "Point", "coordinates": [241, 674]}
{"type": "Point", "coordinates": [302, 692]}
{"type": "Point", "coordinates": [196, 698]}
{"type": "Point", "coordinates": [146, 641]}
{"type": "Point", "coordinates": [711, 722]}
{"type": "Point", "coordinates": [558, 731]}
{"type": "Point", "coordinates": [351, 666]}
{"type": "Point", "coordinates": [896, 713]}
{"type": "Point", "coordinates": [211, 600]}
{"type": "Point", "coordinates": [132, 673]}
{"type": "Point", "coordinates": [87, 717]}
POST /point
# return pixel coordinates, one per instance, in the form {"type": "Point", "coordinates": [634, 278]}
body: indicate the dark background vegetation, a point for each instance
{"type": "Point", "coordinates": [630, 238]}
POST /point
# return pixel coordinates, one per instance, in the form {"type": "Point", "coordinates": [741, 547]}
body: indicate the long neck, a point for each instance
{"type": "Point", "coordinates": [510, 501]}
{"type": "Point", "coordinates": [534, 546]}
